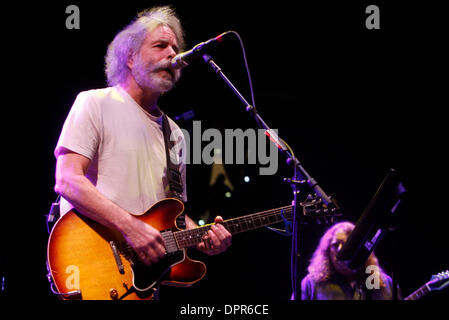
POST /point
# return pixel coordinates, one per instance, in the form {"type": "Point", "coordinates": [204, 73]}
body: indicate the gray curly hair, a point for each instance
{"type": "Point", "coordinates": [129, 40]}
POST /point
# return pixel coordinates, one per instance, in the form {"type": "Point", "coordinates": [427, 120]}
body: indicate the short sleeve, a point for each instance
{"type": "Point", "coordinates": [81, 129]}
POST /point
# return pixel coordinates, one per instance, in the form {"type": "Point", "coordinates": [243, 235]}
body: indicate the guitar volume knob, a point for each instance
{"type": "Point", "coordinates": [113, 293]}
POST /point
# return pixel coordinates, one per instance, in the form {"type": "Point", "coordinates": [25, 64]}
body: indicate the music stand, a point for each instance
{"type": "Point", "coordinates": [378, 217]}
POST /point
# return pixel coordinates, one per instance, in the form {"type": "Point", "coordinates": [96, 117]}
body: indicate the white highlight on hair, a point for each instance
{"type": "Point", "coordinates": [129, 40]}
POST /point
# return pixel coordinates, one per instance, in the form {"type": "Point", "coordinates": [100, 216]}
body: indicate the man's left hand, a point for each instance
{"type": "Point", "coordinates": [217, 239]}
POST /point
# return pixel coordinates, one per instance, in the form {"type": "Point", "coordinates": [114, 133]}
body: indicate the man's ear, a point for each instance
{"type": "Point", "coordinates": [130, 62]}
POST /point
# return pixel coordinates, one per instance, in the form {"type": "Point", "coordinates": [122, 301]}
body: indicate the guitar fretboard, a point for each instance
{"type": "Point", "coordinates": [418, 294]}
{"type": "Point", "coordinates": [191, 237]}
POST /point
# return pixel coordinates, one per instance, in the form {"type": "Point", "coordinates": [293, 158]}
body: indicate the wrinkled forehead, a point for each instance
{"type": "Point", "coordinates": [156, 28]}
{"type": "Point", "coordinates": [162, 32]}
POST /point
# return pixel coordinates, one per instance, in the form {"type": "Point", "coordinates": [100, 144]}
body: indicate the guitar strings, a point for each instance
{"type": "Point", "coordinates": [190, 237]}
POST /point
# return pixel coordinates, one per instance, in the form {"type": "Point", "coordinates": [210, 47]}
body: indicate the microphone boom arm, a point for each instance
{"type": "Point", "coordinates": [291, 159]}
{"type": "Point", "coordinates": [299, 174]}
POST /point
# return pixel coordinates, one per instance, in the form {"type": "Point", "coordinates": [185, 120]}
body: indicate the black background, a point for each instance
{"type": "Point", "coordinates": [351, 102]}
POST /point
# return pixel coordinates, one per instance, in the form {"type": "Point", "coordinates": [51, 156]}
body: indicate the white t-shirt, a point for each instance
{"type": "Point", "coordinates": [125, 145]}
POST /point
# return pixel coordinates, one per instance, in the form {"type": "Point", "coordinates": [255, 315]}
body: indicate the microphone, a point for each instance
{"type": "Point", "coordinates": [183, 59]}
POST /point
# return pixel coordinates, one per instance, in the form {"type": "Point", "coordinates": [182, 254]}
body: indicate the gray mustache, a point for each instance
{"type": "Point", "coordinates": [161, 66]}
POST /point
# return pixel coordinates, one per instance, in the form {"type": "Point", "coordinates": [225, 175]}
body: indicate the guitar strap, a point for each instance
{"type": "Point", "coordinates": [175, 183]}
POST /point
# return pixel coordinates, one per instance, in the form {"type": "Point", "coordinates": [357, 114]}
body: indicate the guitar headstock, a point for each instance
{"type": "Point", "coordinates": [439, 281]}
{"type": "Point", "coordinates": [314, 207]}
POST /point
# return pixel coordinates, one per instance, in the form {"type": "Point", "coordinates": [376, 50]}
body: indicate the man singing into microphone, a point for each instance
{"type": "Point", "coordinates": [111, 160]}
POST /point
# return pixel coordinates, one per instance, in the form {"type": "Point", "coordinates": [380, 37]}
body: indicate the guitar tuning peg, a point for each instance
{"type": "Point", "coordinates": [311, 197]}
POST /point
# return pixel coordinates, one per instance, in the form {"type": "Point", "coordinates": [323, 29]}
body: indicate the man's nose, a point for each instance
{"type": "Point", "coordinates": [171, 53]}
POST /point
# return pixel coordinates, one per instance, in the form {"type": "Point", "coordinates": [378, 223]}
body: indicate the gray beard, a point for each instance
{"type": "Point", "coordinates": [147, 77]}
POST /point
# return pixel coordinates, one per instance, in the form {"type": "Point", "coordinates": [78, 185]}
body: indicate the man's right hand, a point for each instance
{"type": "Point", "coordinates": [146, 241]}
{"type": "Point", "coordinates": [72, 184]}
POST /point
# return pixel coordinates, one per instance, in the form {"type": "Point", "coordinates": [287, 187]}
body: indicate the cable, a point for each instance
{"type": "Point", "coordinates": [253, 101]}
{"type": "Point", "coordinates": [53, 214]}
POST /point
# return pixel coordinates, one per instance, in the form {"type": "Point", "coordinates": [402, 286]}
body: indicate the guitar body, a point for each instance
{"type": "Point", "coordinates": [86, 256]}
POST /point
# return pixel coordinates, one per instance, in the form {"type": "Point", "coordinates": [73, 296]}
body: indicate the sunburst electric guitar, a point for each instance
{"type": "Point", "coordinates": [89, 261]}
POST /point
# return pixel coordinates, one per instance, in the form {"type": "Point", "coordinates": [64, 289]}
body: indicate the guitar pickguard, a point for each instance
{"type": "Point", "coordinates": [147, 277]}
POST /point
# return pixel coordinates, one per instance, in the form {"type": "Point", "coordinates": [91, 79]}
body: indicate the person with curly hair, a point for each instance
{"type": "Point", "coordinates": [330, 279]}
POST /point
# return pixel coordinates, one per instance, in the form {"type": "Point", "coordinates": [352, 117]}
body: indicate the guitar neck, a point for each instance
{"type": "Point", "coordinates": [191, 237]}
{"type": "Point", "coordinates": [418, 294]}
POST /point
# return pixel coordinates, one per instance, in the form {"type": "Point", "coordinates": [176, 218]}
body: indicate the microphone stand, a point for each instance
{"type": "Point", "coordinates": [300, 177]}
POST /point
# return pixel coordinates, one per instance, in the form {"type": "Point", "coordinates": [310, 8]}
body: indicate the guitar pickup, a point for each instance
{"type": "Point", "coordinates": [170, 242]}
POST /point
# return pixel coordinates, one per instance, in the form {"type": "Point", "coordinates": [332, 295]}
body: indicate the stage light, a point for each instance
{"type": "Point", "coordinates": [246, 179]}
{"type": "Point", "coordinates": [201, 222]}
